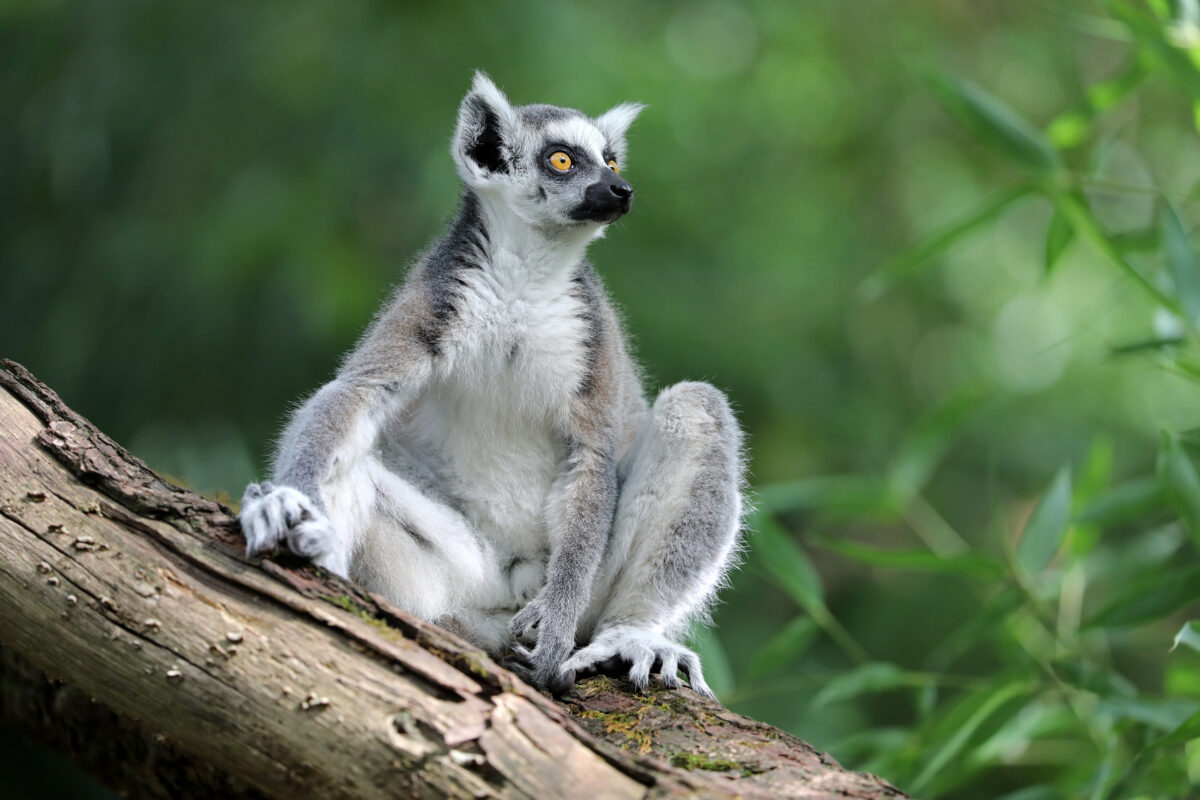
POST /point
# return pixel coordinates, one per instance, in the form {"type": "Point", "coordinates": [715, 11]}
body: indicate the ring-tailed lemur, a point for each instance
{"type": "Point", "coordinates": [486, 457]}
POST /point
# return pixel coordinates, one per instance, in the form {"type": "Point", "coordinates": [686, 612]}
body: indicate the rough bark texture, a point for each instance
{"type": "Point", "coordinates": [137, 639]}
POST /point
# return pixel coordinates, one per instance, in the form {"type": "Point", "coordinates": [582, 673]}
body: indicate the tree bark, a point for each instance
{"type": "Point", "coordinates": [137, 639]}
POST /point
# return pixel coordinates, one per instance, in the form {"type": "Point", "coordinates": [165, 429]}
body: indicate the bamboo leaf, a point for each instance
{"type": "Point", "coordinates": [1182, 262]}
{"type": "Point", "coordinates": [928, 247]}
{"type": "Point", "coordinates": [846, 494]}
{"type": "Point", "coordinates": [1149, 598]}
{"type": "Point", "coordinates": [927, 443]}
{"type": "Point", "coordinates": [961, 724]}
{"type": "Point", "coordinates": [1145, 345]}
{"type": "Point", "coordinates": [784, 647]}
{"type": "Point", "coordinates": [1126, 502]}
{"type": "Point", "coordinates": [1058, 237]}
{"type": "Point", "coordinates": [1188, 635]}
{"type": "Point", "coordinates": [787, 564]}
{"type": "Point", "coordinates": [1151, 35]}
{"type": "Point", "coordinates": [994, 121]}
{"type": "Point", "coordinates": [1179, 481]}
{"type": "Point", "coordinates": [1075, 209]}
{"type": "Point", "coordinates": [1165, 714]}
{"type": "Point", "coordinates": [1188, 730]}
{"type": "Point", "coordinates": [967, 564]}
{"type": "Point", "coordinates": [1043, 535]}
{"type": "Point", "coordinates": [864, 679]}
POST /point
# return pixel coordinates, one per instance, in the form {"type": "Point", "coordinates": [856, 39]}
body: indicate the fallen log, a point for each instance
{"type": "Point", "coordinates": [137, 639]}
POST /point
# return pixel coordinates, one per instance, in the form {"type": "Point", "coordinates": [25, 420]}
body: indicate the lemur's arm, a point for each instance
{"type": "Point", "coordinates": [339, 423]}
{"type": "Point", "coordinates": [579, 515]}
{"type": "Point", "coordinates": [583, 500]}
{"type": "Point", "coordinates": [334, 428]}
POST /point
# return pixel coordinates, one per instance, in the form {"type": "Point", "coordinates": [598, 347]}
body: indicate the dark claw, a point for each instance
{"type": "Point", "coordinates": [521, 670]}
{"type": "Point", "coordinates": [561, 683]}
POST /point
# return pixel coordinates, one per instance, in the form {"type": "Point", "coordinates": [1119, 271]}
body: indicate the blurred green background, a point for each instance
{"type": "Point", "coordinates": [940, 254]}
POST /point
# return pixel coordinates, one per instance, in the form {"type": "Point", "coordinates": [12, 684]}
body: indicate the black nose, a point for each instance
{"type": "Point", "coordinates": [605, 200]}
{"type": "Point", "coordinates": [621, 189]}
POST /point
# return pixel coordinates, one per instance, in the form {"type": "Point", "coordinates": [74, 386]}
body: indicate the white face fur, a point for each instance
{"type": "Point", "coordinates": [554, 167]}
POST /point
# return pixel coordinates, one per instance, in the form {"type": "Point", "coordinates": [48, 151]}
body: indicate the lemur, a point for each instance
{"type": "Point", "coordinates": [486, 457]}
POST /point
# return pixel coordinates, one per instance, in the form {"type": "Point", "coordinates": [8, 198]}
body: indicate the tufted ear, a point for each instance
{"type": "Point", "coordinates": [616, 121]}
{"type": "Point", "coordinates": [485, 120]}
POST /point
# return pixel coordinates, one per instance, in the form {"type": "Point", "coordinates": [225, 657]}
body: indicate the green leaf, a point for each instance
{"type": "Point", "coordinates": [1188, 730]}
{"type": "Point", "coordinates": [1105, 95]}
{"type": "Point", "coordinates": [978, 626]}
{"type": "Point", "coordinates": [916, 560]}
{"type": "Point", "coordinates": [1058, 236]}
{"type": "Point", "coordinates": [863, 743]}
{"type": "Point", "coordinates": [844, 494]}
{"type": "Point", "coordinates": [957, 727]}
{"type": "Point", "coordinates": [1188, 635]}
{"type": "Point", "coordinates": [1044, 533]}
{"type": "Point", "coordinates": [994, 121]}
{"type": "Point", "coordinates": [787, 564]}
{"type": "Point", "coordinates": [926, 248]}
{"type": "Point", "coordinates": [1096, 471]}
{"type": "Point", "coordinates": [864, 679]}
{"type": "Point", "coordinates": [1181, 261]}
{"type": "Point", "coordinates": [1163, 713]}
{"type": "Point", "coordinates": [784, 647]}
{"type": "Point", "coordinates": [1180, 483]}
{"type": "Point", "coordinates": [1149, 597]}
{"type": "Point", "coordinates": [1151, 35]}
{"type": "Point", "coordinates": [1143, 345]}
{"type": "Point", "coordinates": [927, 443]}
{"type": "Point", "coordinates": [1075, 209]}
{"type": "Point", "coordinates": [1146, 240]}
{"type": "Point", "coordinates": [1126, 502]}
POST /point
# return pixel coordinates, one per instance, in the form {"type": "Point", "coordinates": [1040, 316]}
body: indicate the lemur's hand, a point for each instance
{"type": "Point", "coordinates": [555, 641]}
{"type": "Point", "coordinates": [272, 515]}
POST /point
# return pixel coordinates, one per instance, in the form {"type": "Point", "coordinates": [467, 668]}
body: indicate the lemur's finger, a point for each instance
{"type": "Point", "coordinates": [668, 673]}
{"type": "Point", "coordinates": [695, 676]}
{"type": "Point", "coordinates": [639, 672]}
{"type": "Point", "coordinates": [591, 656]}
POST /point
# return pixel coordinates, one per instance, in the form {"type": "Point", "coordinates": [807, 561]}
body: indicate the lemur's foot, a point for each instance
{"type": "Point", "coordinates": [554, 643]}
{"type": "Point", "coordinates": [272, 515]}
{"type": "Point", "coordinates": [642, 649]}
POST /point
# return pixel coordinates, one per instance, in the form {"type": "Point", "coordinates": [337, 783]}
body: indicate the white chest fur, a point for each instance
{"type": "Point", "coordinates": [493, 420]}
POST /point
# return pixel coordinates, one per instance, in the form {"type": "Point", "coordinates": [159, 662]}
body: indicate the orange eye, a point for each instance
{"type": "Point", "coordinates": [612, 164]}
{"type": "Point", "coordinates": [560, 161]}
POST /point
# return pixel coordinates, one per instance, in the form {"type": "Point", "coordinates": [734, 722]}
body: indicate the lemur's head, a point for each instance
{"type": "Point", "coordinates": [555, 167]}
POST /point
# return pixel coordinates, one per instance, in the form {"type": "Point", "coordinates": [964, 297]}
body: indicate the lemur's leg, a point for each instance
{"type": "Point", "coordinates": [674, 537]}
{"type": "Point", "coordinates": [408, 545]}
{"type": "Point", "coordinates": [335, 500]}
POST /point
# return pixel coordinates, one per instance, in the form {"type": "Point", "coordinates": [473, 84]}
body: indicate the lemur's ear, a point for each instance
{"type": "Point", "coordinates": [616, 121]}
{"type": "Point", "coordinates": [485, 119]}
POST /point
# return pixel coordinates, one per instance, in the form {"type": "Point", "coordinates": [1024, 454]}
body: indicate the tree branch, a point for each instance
{"type": "Point", "coordinates": [180, 670]}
